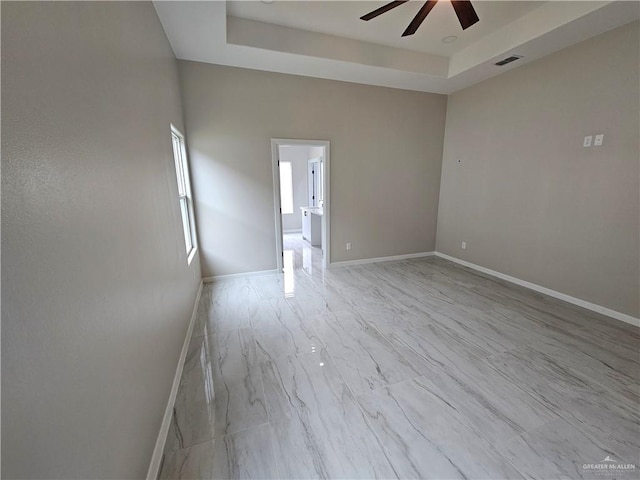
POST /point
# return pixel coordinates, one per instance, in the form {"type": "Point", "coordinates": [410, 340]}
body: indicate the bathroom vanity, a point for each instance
{"type": "Point", "coordinates": [312, 225]}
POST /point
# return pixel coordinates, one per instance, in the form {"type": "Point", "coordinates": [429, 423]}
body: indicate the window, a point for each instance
{"type": "Point", "coordinates": [184, 192]}
{"type": "Point", "coordinates": [286, 188]}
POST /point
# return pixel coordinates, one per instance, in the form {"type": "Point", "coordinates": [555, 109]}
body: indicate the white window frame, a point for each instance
{"type": "Point", "coordinates": [185, 199]}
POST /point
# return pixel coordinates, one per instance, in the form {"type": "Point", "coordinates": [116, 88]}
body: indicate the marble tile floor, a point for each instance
{"type": "Point", "coordinates": [405, 369]}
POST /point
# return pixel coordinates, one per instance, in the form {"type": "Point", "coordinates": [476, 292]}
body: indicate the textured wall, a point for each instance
{"type": "Point", "coordinates": [386, 154]}
{"type": "Point", "coordinates": [96, 292]}
{"type": "Point", "coordinates": [520, 189]}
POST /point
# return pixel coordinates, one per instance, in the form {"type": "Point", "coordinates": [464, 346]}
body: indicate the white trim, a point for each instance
{"type": "Point", "coordinates": [295, 230]}
{"type": "Point", "coordinates": [156, 458]}
{"type": "Point", "coordinates": [391, 258]}
{"type": "Point", "coordinates": [326, 217]}
{"type": "Point", "coordinates": [326, 206]}
{"type": "Point", "coordinates": [194, 250]}
{"type": "Point", "coordinates": [231, 276]}
{"type": "Point", "coordinates": [183, 162]}
{"type": "Point", "coordinates": [547, 291]}
{"type": "Point", "coordinates": [275, 159]}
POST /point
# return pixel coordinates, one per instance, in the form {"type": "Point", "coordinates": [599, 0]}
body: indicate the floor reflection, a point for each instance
{"type": "Point", "coordinates": [299, 255]}
{"type": "Point", "coordinates": [289, 273]}
{"type": "Point", "coordinates": [307, 255]}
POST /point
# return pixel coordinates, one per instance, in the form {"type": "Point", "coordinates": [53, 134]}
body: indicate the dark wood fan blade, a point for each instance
{"type": "Point", "coordinates": [419, 18]}
{"type": "Point", "coordinates": [465, 12]}
{"type": "Point", "coordinates": [383, 9]}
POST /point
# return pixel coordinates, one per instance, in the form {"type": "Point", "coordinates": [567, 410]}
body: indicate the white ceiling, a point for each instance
{"type": "Point", "coordinates": [343, 20]}
{"type": "Point", "coordinates": [328, 40]}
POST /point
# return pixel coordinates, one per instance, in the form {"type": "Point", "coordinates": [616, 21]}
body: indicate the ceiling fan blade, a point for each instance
{"type": "Point", "coordinates": [419, 18]}
{"type": "Point", "coordinates": [383, 9]}
{"type": "Point", "coordinates": [465, 12]}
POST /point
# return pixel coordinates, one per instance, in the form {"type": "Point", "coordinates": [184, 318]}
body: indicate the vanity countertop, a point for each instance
{"type": "Point", "coordinates": [315, 210]}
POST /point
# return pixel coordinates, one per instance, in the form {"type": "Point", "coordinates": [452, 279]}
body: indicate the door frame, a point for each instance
{"type": "Point", "coordinates": [326, 217]}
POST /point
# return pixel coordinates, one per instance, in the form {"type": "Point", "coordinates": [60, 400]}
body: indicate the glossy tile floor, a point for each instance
{"type": "Point", "coordinates": [407, 369]}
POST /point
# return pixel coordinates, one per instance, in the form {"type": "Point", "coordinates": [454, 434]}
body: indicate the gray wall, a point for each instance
{"type": "Point", "coordinates": [386, 154]}
{"type": "Point", "coordinates": [96, 293]}
{"type": "Point", "coordinates": [520, 189]}
{"type": "Point", "coordinates": [299, 158]}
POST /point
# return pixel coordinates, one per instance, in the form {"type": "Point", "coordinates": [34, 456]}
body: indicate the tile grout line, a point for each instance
{"type": "Point", "coordinates": [215, 439]}
{"type": "Point", "coordinates": [463, 417]}
{"type": "Point", "coordinates": [563, 418]}
{"type": "Point", "coordinates": [547, 408]}
{"type": "Point", "coordinates": [496, 445]}
{"type": "Point", "coordinates": [490, 299]}
{"type": "Point", "coordinates": [264, 396]}
{"type": "Point", "coordinates": [355, 399]}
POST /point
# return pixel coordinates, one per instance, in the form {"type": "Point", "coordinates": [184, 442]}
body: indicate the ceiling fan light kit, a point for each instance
{"type": "Point", "coordinates": [465, 12]}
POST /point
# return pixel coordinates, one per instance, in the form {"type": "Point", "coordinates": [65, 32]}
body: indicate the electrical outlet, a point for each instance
{"type": "Point", "coordinates": [348, 245]}
{"type": "Point", "coordinates": [464, 245]}
{"type": "Point", "coordinates": [598, 140]}
{"type": "Point", "coordinates": [587, 141]}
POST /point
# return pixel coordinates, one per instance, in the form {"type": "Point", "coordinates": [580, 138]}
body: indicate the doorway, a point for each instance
{"type": "Point", "coordinates": [307, 215]}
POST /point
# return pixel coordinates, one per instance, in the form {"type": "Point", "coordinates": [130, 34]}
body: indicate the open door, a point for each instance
{"type": "Point", "coordinates": [318, 191]}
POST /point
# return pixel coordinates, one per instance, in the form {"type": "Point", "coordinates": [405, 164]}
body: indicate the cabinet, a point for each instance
{"type": "Point", "coordinates": [306, 224]}
{"type": "Point", "coordinates": [312, 225]}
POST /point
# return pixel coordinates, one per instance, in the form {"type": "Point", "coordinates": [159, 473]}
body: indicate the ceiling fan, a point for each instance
{"type": "Point", "coordinates": [464, 10]}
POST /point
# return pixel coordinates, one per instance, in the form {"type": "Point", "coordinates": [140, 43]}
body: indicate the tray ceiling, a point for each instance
{"type": "Point", "coordinates": [328, 40]}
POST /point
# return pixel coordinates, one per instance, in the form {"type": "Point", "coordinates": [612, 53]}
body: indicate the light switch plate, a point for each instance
{"type": "Point", "coordinates": [587, 141]}
{"type": "Point", "coordinates": [598, 140]}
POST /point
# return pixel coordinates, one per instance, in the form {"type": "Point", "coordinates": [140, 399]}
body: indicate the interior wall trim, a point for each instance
{"type": "Point", "coordinates": [381, 259]}
{"type": "Point", "coordinates": [547, 291]}
{"type": "Point", "coordinates": [156, 458]}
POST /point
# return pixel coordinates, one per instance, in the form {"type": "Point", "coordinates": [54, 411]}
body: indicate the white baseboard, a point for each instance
{"type": "Point", "coordinates": [547, 291]}
{"type": "Point", "coordinates": [156, 458]}
{"type": "Point", "coordinates": [381, 259]}
{"type": "Point", "coordinates": [295, 230]}
{"type": "Point", "coordinates": [231, 276]}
